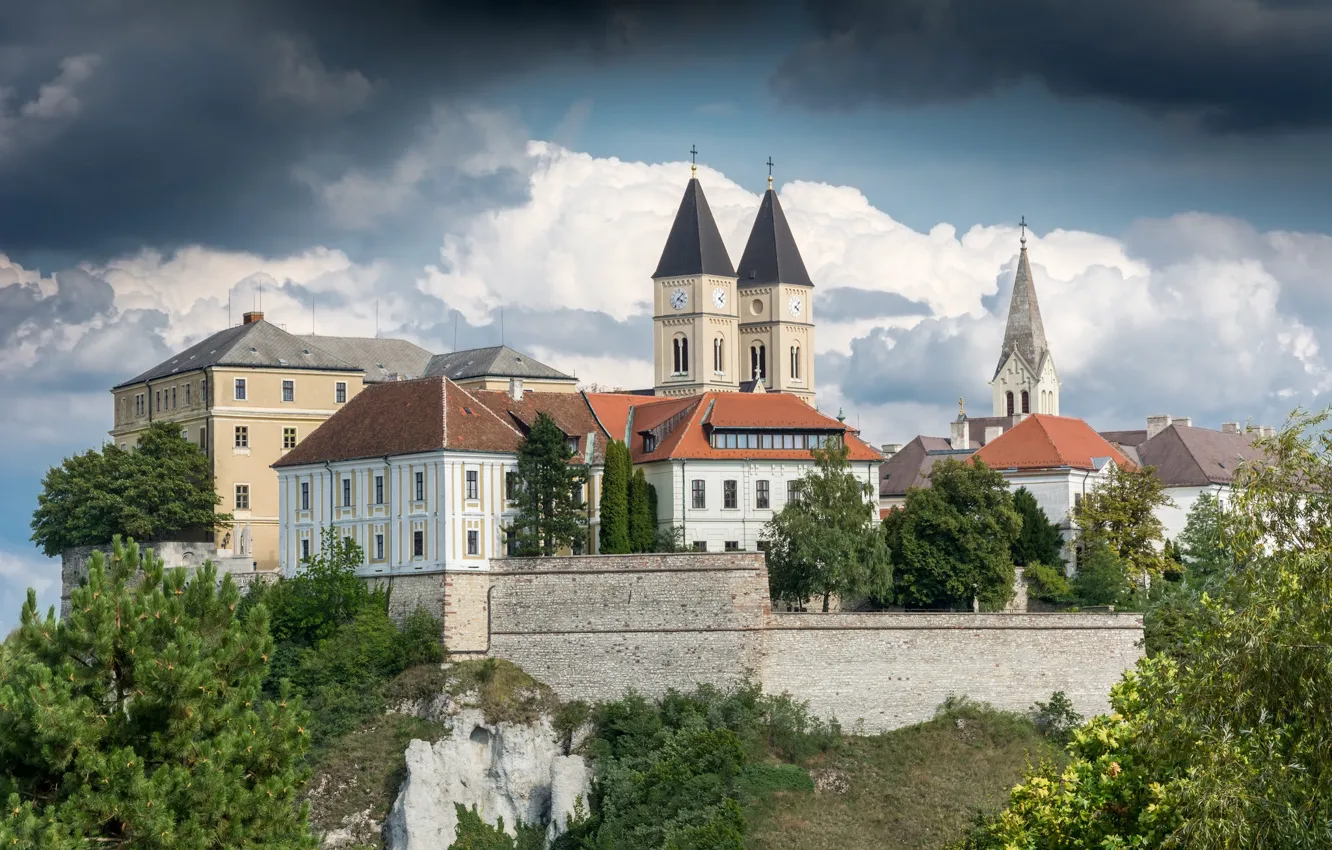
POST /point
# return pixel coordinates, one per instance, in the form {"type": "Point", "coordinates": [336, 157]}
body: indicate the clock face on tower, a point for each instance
{"type": "Point", "coordinates": [795, 305]}
{"type": "Point", "coordinates": [719, 297]}
{"type": "Point", "coordinates": [679, 298]}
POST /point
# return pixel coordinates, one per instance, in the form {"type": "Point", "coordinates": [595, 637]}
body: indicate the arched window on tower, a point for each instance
{"type": "Point", "coordinates": [758, 361]}
{"type": "Point", "coordinates": [718, 356]}
{"type": "Point", "coordinates": [1026, 402]}
{"type": "Point", "coordinates": [795, 362]}
{"type": "Point", "coordinates": [680, 350]}
{"type": "Point", "coordinates": [676, 362]}
{"type": "Point", "coordinates": [1009, 397]}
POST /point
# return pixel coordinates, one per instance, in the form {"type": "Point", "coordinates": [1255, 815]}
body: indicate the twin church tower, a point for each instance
{"type": "Point", "coordinates": [718, 327]}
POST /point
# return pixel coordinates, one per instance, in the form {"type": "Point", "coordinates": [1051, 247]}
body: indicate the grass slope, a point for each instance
{"type": "Point", "coordinates": [916, 787]}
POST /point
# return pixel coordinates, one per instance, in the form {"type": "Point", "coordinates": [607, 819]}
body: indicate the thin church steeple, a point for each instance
{"type": "Point", "coordinates": [771, 255]}
{"type": "Point", "coordinates": [1025, 333]}
{"type": "Point", "coordinates": [1025, 380]}
{"type": "Point", "coordinates": [694, 245]}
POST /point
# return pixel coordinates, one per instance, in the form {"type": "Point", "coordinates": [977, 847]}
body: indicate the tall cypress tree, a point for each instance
{"type": "Point", "coordinates": [615, 500]}
{"type": "Point", "coordinates": [1039, 541]}
{"type": "Point", "coordinates": [551, 513]}
{"type": "Point", "coordinates": [138, 721]}
{"type": "Point", "coordinates": [642, 523]}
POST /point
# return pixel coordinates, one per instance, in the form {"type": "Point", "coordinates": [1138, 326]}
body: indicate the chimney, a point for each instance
{"type": "Point", "coordinates": [1157, 424]}
{"type": "Point", "coordinates": [252, 316]}
{"type": "Point", "coordinates": [890, 449]}
{"type": "Point", "coordinates": [958, 438]}
{"type": "Point", "coordinates": [992, 433]}
{"type": "Point", "coordinates": [1186, 421]}
{"type": "Point", "coordinates": [516, 389]}
{"type": "Point", "coordinates": [1230, 427]}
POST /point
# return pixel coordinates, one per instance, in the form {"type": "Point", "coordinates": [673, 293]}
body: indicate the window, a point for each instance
{"type": "Point", "coordinates": [242, 497]}
{"type": "Point", "coordinates": [730, 499]}
{"type": "Point", "coordinates": [173, 398]}
{"type": "Point", "coordinates": [718, 356]}
{"type": "Point", "coordinates": [1077, 501]}
{"type": "Point", "coordinates": [732, 545]}
{"type": "Point", "coordinates": [700, 495]}
{"type": "Point", "coordinates": [420, 486]}
{"type": "Point", "coordinates": [758, 361]}
{"type": "Point", "coordinates": [681, 352]}
{"type": "Point", "coordinates": [203, 439]}
{"type": "Point", "coordinates": [187, 394]}
{"type": "Point", "coordinates": [649, 442]}
{"type": "Point", "coordinates": [379, 547]}
{"type": "Point", "coordinates": [140, 408]}
{"type": "Point", "coordinates": [1026, 402]}
{"type": "Point", "coordinates": [793, 491]}
{"type": "Point", "coordinates": [242, 436]}
{"type": "Point", "coordinates": [346, 491]}
{"type": "Point", "coordinates": [288, 390]}
{"type": "Point", "coordinates": [288, 438]}
{"type": "Point", "coordinates": [761, 494]}
{"type": "Point", "coordinates": [511, 541]}
{"type": "Point", "coordinates": [240, 389]}
{"type": "Point", "coordinates": [700, 545]}
{"type": "Point", "coordinates": [573, 445]}
{"type": "Point", "coordinates": [510, 486]}
{"type": "Point", "coordinates": [762, 545]}
{"type": "Point", "coordinates": [418, 544]}
{"type": "Point", "coordinates": [340, 392]}
{"type": "Point", "coordinates": [473, 542]}
{"type": "Point", "coordinates": [305, 549]}
{"type": "Point", "coordinates": [157, 400]}
{"type": "Point", "coordinates": [305, 495]}
{"type": "Point", "coordinates": [473, 486]}
{"type": "Point", "coordinates": [577, 495]}
{"type": "Point", "coordinates": [379, 489]}
{"type": "Point", "coordinates": [1009, 398]}
{"type": "Point", "coordinates": [203, 391]}
{"type": "Point", "coordinates": [795, 362]}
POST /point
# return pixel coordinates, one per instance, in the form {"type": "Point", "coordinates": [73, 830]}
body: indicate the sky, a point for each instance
{"type": "Point", "coordinates": [432, 166]}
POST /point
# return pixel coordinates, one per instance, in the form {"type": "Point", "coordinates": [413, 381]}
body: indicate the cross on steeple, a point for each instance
{"type": "Point", "coordinates": [1023, 225]}
{"type": "Point", "coordinates": [769, 172]}
{"type": "Point", "coordinates": [693, 160]}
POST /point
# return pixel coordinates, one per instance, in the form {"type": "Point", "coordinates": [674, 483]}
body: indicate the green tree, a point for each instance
{"type": "Point", "coordinates": [474, 833]}
{"type": "Point", "coordinates": [952, 541]}
{"type": "Point", "coordinates": [138, 720]}
{"type": "Point", "coordinates": [1121, 510]}
{"type": "Point", "coordinates": [1202, 544]}
{"type": "Point", "coordinates": [1102, 578]}
{"type": "Point", "coordinates": [1039, 541]}
{"type": "Point", "coordinates": [826, 542]}
{"type": "Point", "coordinates": [162, 487]}
{"type": "Point", "coordinates": [1221, 742]}
{"type": "Point", "coordinates": [323, 594]}
{"type": "Point", "coordinates": [615, 519]}
{"type": "Point", "coordinates": [642, 519]}
{"type": "Point", "coordinates": [551, 512]}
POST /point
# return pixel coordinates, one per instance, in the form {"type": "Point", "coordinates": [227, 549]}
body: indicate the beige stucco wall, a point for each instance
{"type": "Point", "coordinates": [700, 321]}
{"type": "Point", "coordinates": [766, 317]}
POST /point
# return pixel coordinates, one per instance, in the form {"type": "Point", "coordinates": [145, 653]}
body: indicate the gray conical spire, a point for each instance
{"type": "Point", "coordinates": [771, 255]}
{"type": "Point", "coordinates": [1025, 333]}
{"type": "Point", "coordinates": [695, 245]}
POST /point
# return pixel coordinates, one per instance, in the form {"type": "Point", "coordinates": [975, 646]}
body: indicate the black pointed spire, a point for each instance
{"type": "Point", "coordinates": [1025, 332]}
{"type": "Point", "coordinates": [695, 246]}
{"type": "Point", "coordinates": [771, 255]}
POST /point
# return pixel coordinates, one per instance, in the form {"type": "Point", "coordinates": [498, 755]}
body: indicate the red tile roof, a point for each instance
{"type": "Point", "coordinates": [1042, 441]}
{"type": "Point", "coordinates": [697, 415]}
{"type": "Point", "coordinates": [429, 414]}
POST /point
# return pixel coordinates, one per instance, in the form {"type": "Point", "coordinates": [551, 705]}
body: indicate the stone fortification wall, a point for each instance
{"type": "Point", "coordinates": [887, 670]}
{"type": "Point", "coordinates": [595, 626]}
{"type": "Point", "coordinates": [74, 564]}
{"type": "Point", "coordinates": [592, 627]}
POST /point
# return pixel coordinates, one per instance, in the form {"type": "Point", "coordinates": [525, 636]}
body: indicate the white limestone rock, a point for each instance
{"type": "Point", "coordinates": [515, 771]}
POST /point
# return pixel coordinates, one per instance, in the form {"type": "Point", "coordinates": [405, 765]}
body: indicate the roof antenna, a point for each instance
{"type": "Point", "coordinates": [261, 296]}
{"type": "Point", "coordinates": [228, 307]}
{"type": "Point", "coordinates": [501, 326]}
{"type": "Point", "coordinates": [312, 323]}
{"type": "Point", "coordinates": [376, 318]}
{"type": "Point", "coordinates": [455, 330]}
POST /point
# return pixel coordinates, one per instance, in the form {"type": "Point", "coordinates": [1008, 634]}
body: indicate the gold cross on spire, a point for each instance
{"type": "Point", "coordinates": [1023, 224]}
{"type": "Point", "coordinates": [693, 160]}
{"type": "Point", "coordinates": [769, 172]}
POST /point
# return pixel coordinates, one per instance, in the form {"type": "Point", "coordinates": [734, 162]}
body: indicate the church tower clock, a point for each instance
{"type": "Point", "coordinates": [776, 305]}
{"type": "Point", "coordinates": [695, 315]}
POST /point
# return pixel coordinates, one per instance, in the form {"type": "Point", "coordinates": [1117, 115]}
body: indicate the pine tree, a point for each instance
{"type": "Point", "coordinates": [1039, 541]}
{"type": "Point", "coordinates": [551, 514]}
{"type": "Point", "coordinates": [138, 720]}
{"type": "Point", "coordinates": [642, 522]}
{"type": "Point", "coordinates": [614, 532]}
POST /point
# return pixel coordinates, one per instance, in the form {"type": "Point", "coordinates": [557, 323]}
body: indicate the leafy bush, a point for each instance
{"type": "Point", "coordinates": [1056, 719]}
{"type": "Point", "coordinates": [1048, 583]}
{"type": "Point", "coordinates": [758, 779]}
{"type": "Point", "coordinates": [1102, 577]}
{"type": "Point", "coordinates": [475, 834]}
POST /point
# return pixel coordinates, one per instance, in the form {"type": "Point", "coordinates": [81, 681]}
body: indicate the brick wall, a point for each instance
{"type": "Point", "coordinates": [592, 627]}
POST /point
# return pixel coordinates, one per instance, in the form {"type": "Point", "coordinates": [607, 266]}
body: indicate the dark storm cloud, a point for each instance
{"type": "Point", "coordinates": [1233, 65]}
{"type": "Point", "coordinates": [166, 123]}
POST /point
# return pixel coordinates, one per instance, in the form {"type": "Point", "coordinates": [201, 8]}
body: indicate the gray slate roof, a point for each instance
{"type": "Point", "coordinates": [498, 360]}
{"type": "Point", "coordinates": [911, 465]}
{"type": "Point", "coordinates": [771, 255]}
{"type": "Point", "coordinates": [1196, 457]}
{"type": "Point", "coordinates": [380, 358]}
{"type": "Point", "coordinates": [1025, 332]}
{"type": "Point", "coordinates": [694, 245]}
{"type": "Point", "coordinates": [257, 344]}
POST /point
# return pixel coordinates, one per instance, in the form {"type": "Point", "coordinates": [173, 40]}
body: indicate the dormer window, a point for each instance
{"type": "Point", "coordinates": [573, 445]}
{"type": "Point", "coordinates": [649, 442]}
